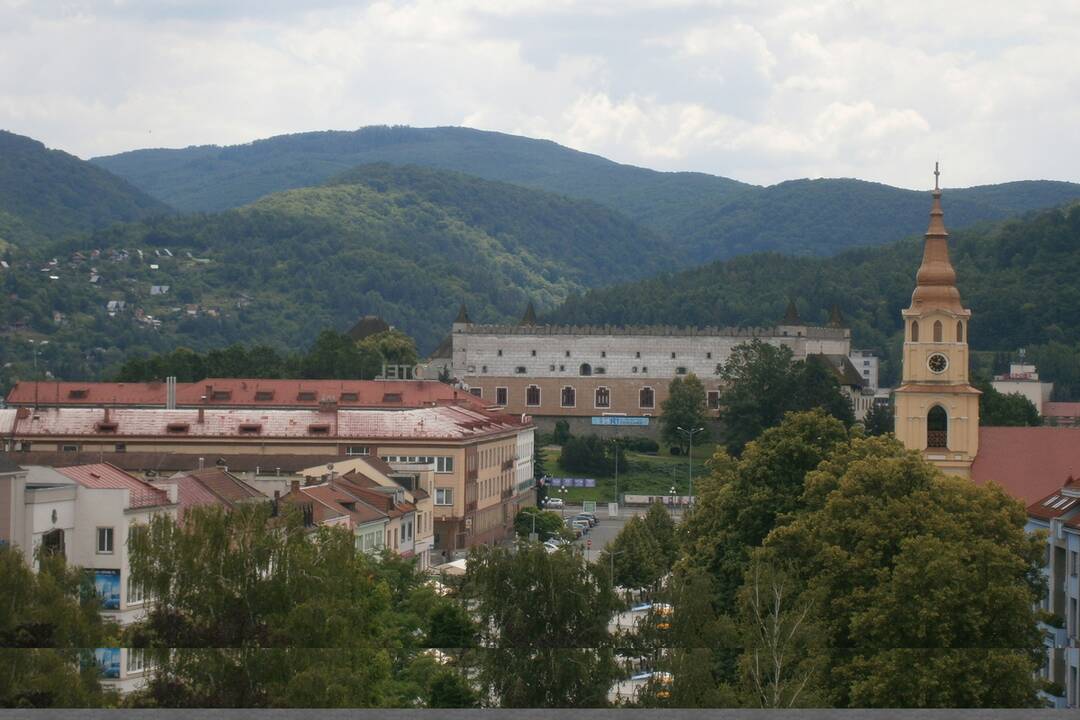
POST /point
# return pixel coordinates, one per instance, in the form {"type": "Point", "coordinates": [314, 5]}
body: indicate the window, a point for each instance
{"type": "Point", "coordinates": [672, 356]}
{"type": "Point", "coordinates": [562, 368]}
{"type": "Point", "coordinates": [680, 370]}
{"type": "Point", "coordinates": [644, 368]}
{"type": "Point", "coordinates": [532, 396]}
{"type": "Point", "coordinates": [520, 370]}
{"type": "Point", "coordinates": [69, 448]}
{"type": "Point", "coordinates": [603, 397]}
{"type": "Point", "coordinates": [349, 397]}
{"type": "Point", "coordinates": [637, 355]}
{"type": "Point", "coordinates": [136, 660]}
{"type": "Point", "coordinates": [646, 397]}
{"type": "Point", "coordinates": [499, 353]}
{"type": "Point", "coordinates": [221, 395]}
{"type": "Point", "coordinates": [937, 428]}
{"type": "Point", "coordinates": [444, 496]}
{"type": "Point", "coordinates": [105, 540]}
{"type": "Point", "coordinates": [120, 447]}
{"type": "Point", "coordinates": [319, 429]}
{"type": "Point", "coordinates": [603, 353]}
{"type": "Point", "coordinates": [914, 331]}
{"type": "Point", "coordinates": [708, 356]}
{"type": "Point", "coordinates": [444, 464]}
{"type": "Point", "coordinates": [176, 428]}
{"type": "Point", "coordinates": [478, 392]}
{"type": "Point", "coordinates": [250, 428]}
{"type": "Point", "coordinates": [135, 594]}
{"type": "Point", "coordinates": [567, 353]}
{"type": "Point", "coordinates": [551, 368]}
{"type": "Point", "coordinates": [714, 399]}
{"type": "Point", "coordinates": [483, 368]}
{"type": "Point", "coordinates": [600, 370]}
{"type": "Point", "coordinates": [633, 369]}
{"type": "Point", "coordinates": [264, 394]}
{"type": "Point", "coordinates": [78, 394]}
{"type": "Point", "coordinates": [585, 369]}
{"type": "Point", "coordinates": [391, 397]}
{"type": "Point", "coordinates": [959, 331]}
{"type": "Point", "coordinates": [937, 331]}
{"type": "Point", "coordinates": [568, 397]}
{"type": "Point", "coordinates": [501, 395]}
{"type": "Point", "coordinates": [357, 450]}
{"type": "Point", "coordinates": [534, 353]}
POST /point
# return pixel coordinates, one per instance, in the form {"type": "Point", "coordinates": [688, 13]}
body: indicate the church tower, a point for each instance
{"type": "Point", "coordinates": [937, 410]}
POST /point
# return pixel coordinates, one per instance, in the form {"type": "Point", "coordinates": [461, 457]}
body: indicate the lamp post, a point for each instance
{"type": "Point", "coordinates": [615, 443]}
{"type": "Point", "coordinates": [672, 493]}
{"type": "Point", "coordinates": [36, 348]}
{"type": "Point", "coordinates": [690, 435]}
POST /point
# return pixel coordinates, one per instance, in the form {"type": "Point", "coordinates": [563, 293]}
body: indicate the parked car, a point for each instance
{"type": "Point", "coordinates": [583, 524]}
{"type": "Point", "coordinates": [554, 503]}
{"type": "Point", "coordinates": [587, 517]}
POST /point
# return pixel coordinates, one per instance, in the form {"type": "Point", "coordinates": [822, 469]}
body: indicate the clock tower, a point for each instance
{"type": "Point", "coordinates": [937, 410]}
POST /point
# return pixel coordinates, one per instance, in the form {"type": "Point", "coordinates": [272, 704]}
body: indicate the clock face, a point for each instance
{"type": "Point", "coordinates": [937, 363]}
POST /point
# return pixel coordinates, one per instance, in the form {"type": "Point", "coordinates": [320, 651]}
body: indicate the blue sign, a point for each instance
{"type": "Point", "coordinates": [620, 420]}
{"type": "Point", "coordinates": [107, 584]}
{"type": "Point", "coordinates": [108, 660]}
{"type": "Point", "coordinates": [571, 482]}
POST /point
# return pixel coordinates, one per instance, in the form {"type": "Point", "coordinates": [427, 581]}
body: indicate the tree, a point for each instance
{"type": "Point", "coordinates": [335, 355]}
{"type": "Point", "coordinates": [451, 628]}
{"type": "Point", "coordinates": [392, 347]}
{"type": "Point", "coordinates": [684, 407]}
{"type": "Point", "coordinates": [543, 619]}
{"type": "Point", "coordinates": [661, 528]}
{"type": "Point", "coordinates": [997, 409]}
{"type": "Point", "coordinates": [252, 610]}
{"type": "Point", "coordinates": [539, 470]}
{"type": "Point", "coordinates": [546, 523]}
{"type": "Point", "coordinates": [561, 433]}
{"type": "Point", "coordinates": [923, 585]}
{"type": "Point", "coordinates": [636, 556]}
{"type": "Point", "coordinates": [450, 690]}
{"type": "Point", "coordinates": [879, 419]}
{"type": "Point", "coordinates": [48, 621]}
{"type": "Point", "coordinates": [762, 383]}
{"type": "Point", "coordinates": [591, 454]}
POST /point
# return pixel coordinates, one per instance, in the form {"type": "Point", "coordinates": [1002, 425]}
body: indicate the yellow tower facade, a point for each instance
{"type": "Point", "coordinates": [937, 409]}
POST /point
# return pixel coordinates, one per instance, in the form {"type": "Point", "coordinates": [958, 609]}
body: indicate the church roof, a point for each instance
{"type": "Point", "coordinates": [936, 279]}
{"type": "Point", "coordinates": [836, 318]}
{"type": "Point", "coordinates": [444, 351]}
{"type": "Point", "coordinates": [1029, 462]}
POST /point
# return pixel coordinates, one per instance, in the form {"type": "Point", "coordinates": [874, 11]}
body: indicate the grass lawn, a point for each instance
{"type": "Point", "coordinates": [646, 475]}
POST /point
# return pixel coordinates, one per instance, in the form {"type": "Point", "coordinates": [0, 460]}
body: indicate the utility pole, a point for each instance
{"type": "Point", "coordinates": [690, 435]}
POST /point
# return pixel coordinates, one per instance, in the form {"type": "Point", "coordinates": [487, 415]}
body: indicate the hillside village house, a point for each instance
{"type": "Point", "coordinates": [482, 460]}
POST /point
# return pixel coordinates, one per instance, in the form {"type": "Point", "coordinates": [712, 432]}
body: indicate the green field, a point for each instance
{"type": "Point", "coordinates": [646, 475]}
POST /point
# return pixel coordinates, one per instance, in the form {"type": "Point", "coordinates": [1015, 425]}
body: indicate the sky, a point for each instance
{"type": "Point", "coordinates": [758, 90]}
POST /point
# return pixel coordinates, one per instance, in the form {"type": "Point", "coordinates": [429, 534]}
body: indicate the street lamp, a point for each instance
{"type": "Point", "coordinates": [672, 501]}
{"type": "Point", "coordinates": [615, 442]}
{"type": "Point", "coordinates": [36, 348]}
{"type": "Point", "coordinates": [690, 435]}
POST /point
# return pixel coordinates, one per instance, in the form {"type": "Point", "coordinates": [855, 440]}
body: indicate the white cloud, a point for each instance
{"type": "Point", "coordinates": [759, 91]}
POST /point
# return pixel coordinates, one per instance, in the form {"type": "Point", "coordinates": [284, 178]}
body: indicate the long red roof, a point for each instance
{"type": "Point", "coordinates": [103, 476]}
{"type": "Point", "coordinates": [244, 392]}
{"type": "Point", "coordinates": [1029, 462]}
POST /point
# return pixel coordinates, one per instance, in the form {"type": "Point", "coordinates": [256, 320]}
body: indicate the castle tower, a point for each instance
{"type": "Point", "coordinates": [937, 410]}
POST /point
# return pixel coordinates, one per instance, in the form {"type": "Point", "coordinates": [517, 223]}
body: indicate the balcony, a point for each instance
{"type": "Point", "coordinates": [508, 493]}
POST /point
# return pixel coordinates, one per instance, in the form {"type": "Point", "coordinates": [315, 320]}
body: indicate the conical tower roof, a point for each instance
{"type": "Point", "coordinates": [836, 318]}
{"type": "Point", "coordinates": [936, 280]}
{"type": "Point", "coordinates": [462, 316]}
{"type": "Point", "coordinates": [530, 315]}
{"type": "Point", "coordinates": [791, 315]}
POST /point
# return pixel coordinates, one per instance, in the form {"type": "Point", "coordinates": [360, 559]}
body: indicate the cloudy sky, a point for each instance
{"type": "Point", "coordinates": [758, 90]}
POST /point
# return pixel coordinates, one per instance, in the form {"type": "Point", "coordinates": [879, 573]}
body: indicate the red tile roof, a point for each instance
{"type": "Point", "coordinates": [357, 509]}
{"type": "Point", "coordinates": [244, 392]}
{"type": "Point", "coordinates": [1029, 462]}
{"type": "Point", "coordinates": [1057, 503]}
{"type": "Point", "coordinates": [432, 423]}
{"type": "Point", "coordinates": [1062, 410]}
{"type": "Point", "coordinates": [210, 486]}
{"type": "Point", "coordinates": [103, 476]}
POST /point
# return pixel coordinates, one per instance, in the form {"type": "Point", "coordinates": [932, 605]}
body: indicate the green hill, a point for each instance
{"type": "Point", "coordinates": [48, 194]}
{"type": "Point", "coordinates": [707, 217]}
{"type": "Point", "coordinates": [1018, 277]}
{"type": "Point", "coordinates": [408, 244]}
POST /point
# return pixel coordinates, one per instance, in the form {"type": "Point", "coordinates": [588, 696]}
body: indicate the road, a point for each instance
{"type": "Point", "coordinates": [605, 532]}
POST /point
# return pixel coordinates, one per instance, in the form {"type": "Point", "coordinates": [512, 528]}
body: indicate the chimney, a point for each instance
{"type": "Point", "coordinates": [294, 486]}
{"type": "Point", "coordinates": [106, 413]}
{"type": "Point", "coordinates": [170, 392]}
{"type": "Point", "coordinates": [202, 416]}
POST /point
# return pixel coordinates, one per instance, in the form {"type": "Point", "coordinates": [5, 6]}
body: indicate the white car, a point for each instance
{"type": "Point", "coordinates": [556, 503]}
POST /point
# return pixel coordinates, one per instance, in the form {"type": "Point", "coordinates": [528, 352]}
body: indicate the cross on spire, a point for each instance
{"type": "Point", "coordinates": [936, 173]}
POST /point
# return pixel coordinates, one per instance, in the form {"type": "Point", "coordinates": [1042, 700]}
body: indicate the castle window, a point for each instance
{"type": "Point", "coordinates": [551, 368]}
{"type": "Point", "coordinates": [534, 353]}
{"type": "Point", "coordinates": [937, 428]}
{"type": "Point", "coordinates": [708, 356]}
{"type": "Point", "coordinates": [562, 368]}
{"type": "Point", "coordinates": [532, 396]}
{"type": "Point", "coordinates": [914, 331]}
{"type": "Point", "coordinates": [567, 353]}
{"type": "Point", "coordinates": [499, 353]}
{"type": "Point", "coordinates": [637, 355]}
{"type": "Point", "coordinates": [569, 397]}
{"type": "Point", "coordinates": [603, 397]}
{"type": "Point", "coordinates": [646, 398]}
{"type": "Point", "coordinates": [680, 370]}
{"type": "Point", "coordinates": [585, 369]}
{"type": "Point", "coordinates": [633, 369]}
{"type": "Point", "coordinates": [959, 331]}
{"type": "Point", "coordinates": [603, 353]}
{"type": "Point", "coordinates": [520, 370]}
{"type": "Point", "coordinates": [500, 395]}
{"type": "Point", "coordinates": [483, 369]}
{"type": "Point", "coordinates": [672, 356]}
{"type": "Point", "coordinates": [937, 331]}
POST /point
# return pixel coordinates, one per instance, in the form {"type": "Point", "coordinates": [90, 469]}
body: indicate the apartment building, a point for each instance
{"type": "Point", "coordinates": [1058, 515]}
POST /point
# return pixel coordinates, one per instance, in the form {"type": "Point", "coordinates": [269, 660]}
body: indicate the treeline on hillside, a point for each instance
{"type": "Point", "coordinates": [1017, 277]}
{"type": "Point", "coordinates": [333, 356]}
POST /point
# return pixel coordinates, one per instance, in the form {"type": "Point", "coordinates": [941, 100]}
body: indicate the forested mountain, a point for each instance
{"type": "Point", "coordinates": [1018, 277]}
{"type": "Point", "coordinates": [408, 244]}
{"type": "Point", "coordinates": [47, 194]}
{"type": "Point", "coordinates": [707, 217]}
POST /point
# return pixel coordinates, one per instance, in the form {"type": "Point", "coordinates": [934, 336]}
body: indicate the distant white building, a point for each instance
{"type": "Point", "coordinates": [1023, 379]}
{"type": "Point", "coordinates": [866, 363]}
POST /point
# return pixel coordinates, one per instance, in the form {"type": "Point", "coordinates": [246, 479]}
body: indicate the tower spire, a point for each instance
{"type": "Point", "coordinates": [936, 280]}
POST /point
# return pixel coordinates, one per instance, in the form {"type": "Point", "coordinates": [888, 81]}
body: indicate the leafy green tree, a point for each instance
{"type": "Point", "coordinates": [997, 409]}
{"type": "Point", "coordinates": [335, 355]}
{"type": "Point", "coordinates": [923, 585]}
{"type": "Point", "coordinates": [543, 619]}
{"type": "Point", "coordinates": [638, 559]}
{"type": "Point", "coordinates": [561, 433]}
{"type": "Point", "coordinates": [450, 690]}
{"type": "Point", "coordinates": [392, 347]}
{"type": "Point", "coordinates": [545, 522]}
{"type": "Point", "coordinates": [451, 628]}
{"type": "Point", "coordinates": [591, 454]}
{"type": "Point", "coordinates": [879, 420]}
{"type": "Point", "coordinates": [684, 407]}
{"type": "Point", "coordinates": [539, 469]}
{"type": "Point", "coordinates": [251, 610]}
{"type": "Point", "coordinates": [661, 528]}
{"type": "Point", "coordinates": [50, 621]}
{"type": "Point", "coordinates": [741, 501]}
